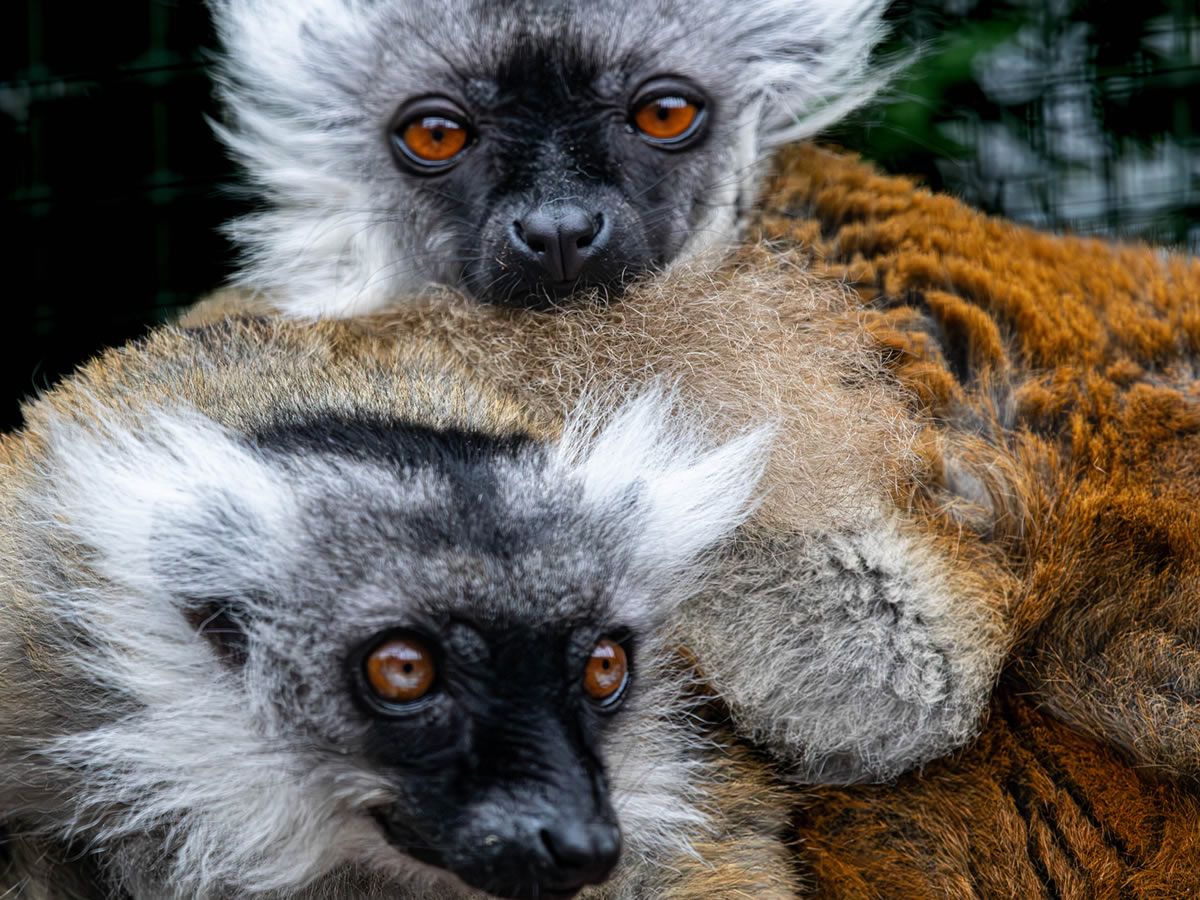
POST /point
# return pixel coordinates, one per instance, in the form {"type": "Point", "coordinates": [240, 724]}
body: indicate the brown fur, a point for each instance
{"type": "Point", "coordinates": [1070, 363]}
{"type": "Point", "coordinates": [734, 351]}
{"type": "Point", "coordinates": [1031, 809]}
{"type": "Point", "coordinates": [1061, 372]}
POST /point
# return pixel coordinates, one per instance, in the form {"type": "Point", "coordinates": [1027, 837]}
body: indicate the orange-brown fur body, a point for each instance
{"type": "Point", "coordinates": [1065, 371]}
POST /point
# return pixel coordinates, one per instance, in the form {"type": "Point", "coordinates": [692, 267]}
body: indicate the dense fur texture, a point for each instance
{"type": "Point", "coordinates": [1034, 399]}
{"type": "Point", "coordinates": [1059, 380]}
{"type": "Point", "coordinates": [1032, 809]}
{"type": "Point", "coordinates": [313, 86]}
{"type": "Point", "coordinates": [1060, 375]}
{"type": "Point", "coordinates": [174, 475]}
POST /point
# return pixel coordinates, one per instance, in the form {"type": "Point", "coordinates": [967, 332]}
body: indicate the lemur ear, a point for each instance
{"type": "Point", "coordinates": [650, 465]}
{"type": "Point", "coordinates": [809, 62]}
{"type": "Point", "coordinates": [169, 504]}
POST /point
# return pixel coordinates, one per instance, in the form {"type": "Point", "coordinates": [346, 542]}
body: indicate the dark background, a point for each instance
{"type": "Point", "coordinates": [1081, 116]}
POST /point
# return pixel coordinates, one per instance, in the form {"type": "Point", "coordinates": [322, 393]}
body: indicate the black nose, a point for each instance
{"type": "Point", "coordinates": [559, 240]}
{"type": "Point", "coordinates": [581, 853]}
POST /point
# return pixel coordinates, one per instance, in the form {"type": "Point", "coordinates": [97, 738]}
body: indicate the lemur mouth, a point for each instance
{"type": "Point", "coordinates": [539, 892]}
{"type": "Point", "coordinates": [548, 296]}
{"type": "Point", "coordinates": [419, 849]}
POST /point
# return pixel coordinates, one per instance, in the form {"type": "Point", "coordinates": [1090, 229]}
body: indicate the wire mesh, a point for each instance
{"type": "Point", "coordinates": [111, 178]}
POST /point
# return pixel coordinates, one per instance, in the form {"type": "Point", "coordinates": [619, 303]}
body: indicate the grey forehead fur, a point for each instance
{"type": "Point", "coordinates": [311, 85]}
{"type": "Point", "coordinates": [422, 531]}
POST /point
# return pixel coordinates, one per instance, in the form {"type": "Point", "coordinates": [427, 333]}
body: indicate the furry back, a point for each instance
{"type": "Point", "coordinates": [1059, 380]}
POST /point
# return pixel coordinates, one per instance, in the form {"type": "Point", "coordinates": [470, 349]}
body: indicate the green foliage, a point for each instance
{"type": "Point", "coordinates": [1070, 114]}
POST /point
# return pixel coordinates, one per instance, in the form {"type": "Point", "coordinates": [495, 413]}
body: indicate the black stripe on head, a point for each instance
{"type": "Point", "coordinates": [392, 443]}
{"type": "Point", "coordinates": [470, 515]}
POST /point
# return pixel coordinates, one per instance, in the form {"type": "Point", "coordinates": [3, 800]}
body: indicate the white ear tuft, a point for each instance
{"type": "Point", "coordinates": [174, 502]}
{"type": "Point", "coordinates": [809, 61]}
{"type": "Point", "coordinates": [649, 462]}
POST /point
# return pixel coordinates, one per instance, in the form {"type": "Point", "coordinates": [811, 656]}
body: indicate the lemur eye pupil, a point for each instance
{"type": "Point", "coordinates": [400, 670]}
{"type": "Point", "coordinates": [667, 120]}
{"type": "Point", "coordinates": [607, 672]}
{"type": "Point", "coordinates": [433, 140]}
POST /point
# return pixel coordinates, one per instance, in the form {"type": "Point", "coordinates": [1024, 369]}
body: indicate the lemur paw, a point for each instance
{"type": "Point", "coordinates": [860, 663]}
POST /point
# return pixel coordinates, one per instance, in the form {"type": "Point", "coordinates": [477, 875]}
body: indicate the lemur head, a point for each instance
{"type": "Point", "coordinates": [517, 149]}
{"type": "Point", "coordinates": [346, 644]}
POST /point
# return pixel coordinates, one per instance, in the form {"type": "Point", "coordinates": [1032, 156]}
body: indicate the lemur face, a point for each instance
{"type": "Point", "coordinates": [369, 647]}
{"type": "Point", "coordinates": [492, 739]}
{"type": "Point", "coordinates": [468, 633]}
{"type": "Point", "coordinates": [561, 172]}
{"type": "Point", "coordinates": [521, 151]}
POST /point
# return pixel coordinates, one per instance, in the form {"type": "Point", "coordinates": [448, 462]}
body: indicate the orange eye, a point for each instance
{"type": "Point", "coordinates": [434, 139]}
{"type": "Point", "coordinates": [400, 670]}
{"type": "Point", "coordinates": [667, 119]}
{"type": "Point", "coordinates": [607, 671]}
